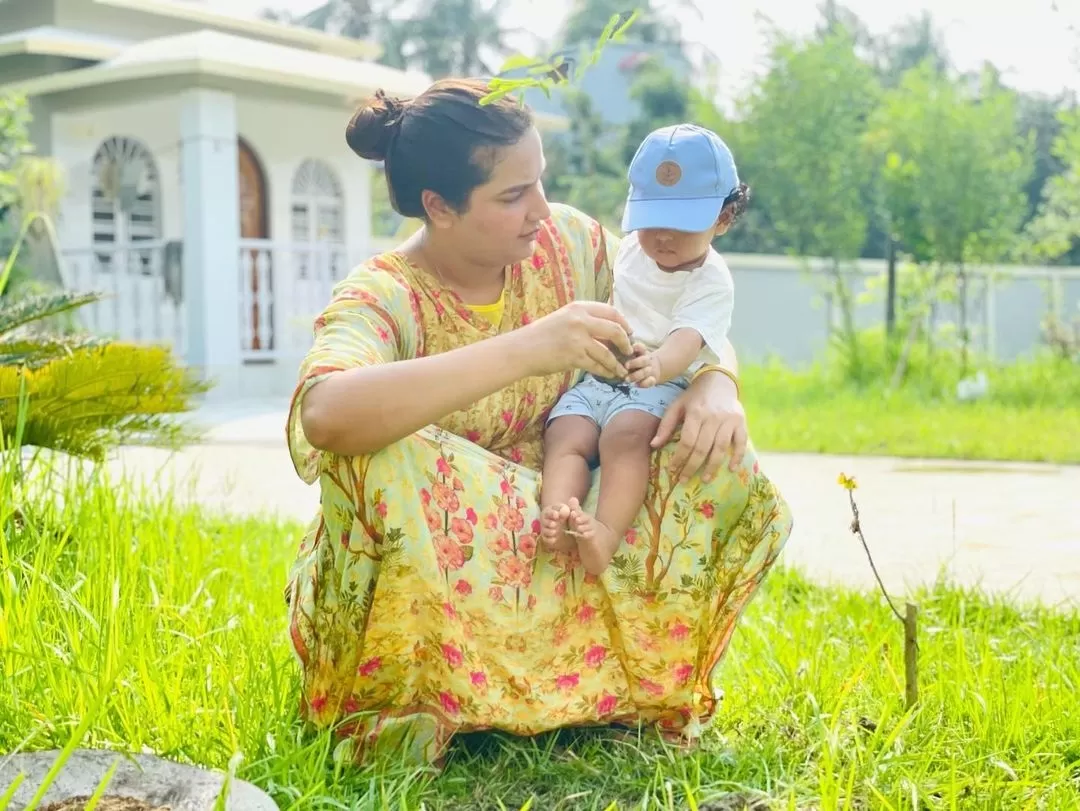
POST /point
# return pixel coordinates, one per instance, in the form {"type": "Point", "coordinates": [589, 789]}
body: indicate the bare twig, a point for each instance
{"type": "Point", "coordinates": [911, 655]}
{"type": "Point", "coordinates": [909, 619]}
{"type": "Point", "coordinates": [856, 528]}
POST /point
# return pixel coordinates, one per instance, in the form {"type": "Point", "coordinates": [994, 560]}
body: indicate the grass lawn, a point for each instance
{"type": "Point", "coordinates": [1031, 414]}
{"type": "Point", "coordinates": [135, 624]}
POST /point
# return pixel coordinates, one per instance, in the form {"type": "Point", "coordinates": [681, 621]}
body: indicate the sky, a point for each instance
{"type": "Point", "coordinates": [1035, 43]}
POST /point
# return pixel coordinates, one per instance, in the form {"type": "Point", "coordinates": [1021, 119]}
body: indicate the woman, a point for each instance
{"type": "Point", "coordinates": [420, 604]}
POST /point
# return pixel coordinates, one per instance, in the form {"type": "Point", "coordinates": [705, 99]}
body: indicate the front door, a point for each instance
{"type": "Point", "coordinates": [253, 225]}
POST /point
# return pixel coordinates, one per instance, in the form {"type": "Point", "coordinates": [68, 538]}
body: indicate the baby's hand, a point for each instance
{"type": "Point", "coordinates": [643, 368]}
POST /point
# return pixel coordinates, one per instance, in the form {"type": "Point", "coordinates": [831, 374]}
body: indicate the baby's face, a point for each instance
{"type": "Point", "coordinates": [675, 250]}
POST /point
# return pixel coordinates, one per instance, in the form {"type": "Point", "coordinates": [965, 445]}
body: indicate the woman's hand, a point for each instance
{"type": "Point", "coordinates": [713, 427]}
{"type": "Point", "coordinates": [580, 335]}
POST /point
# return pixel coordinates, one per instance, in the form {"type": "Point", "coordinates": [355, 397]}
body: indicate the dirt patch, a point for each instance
{"type": "Point", "coordinates": [106, 803]}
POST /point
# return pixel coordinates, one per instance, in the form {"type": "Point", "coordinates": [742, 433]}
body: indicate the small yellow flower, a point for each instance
{"type": "Point", "coordinates": [847, 482]}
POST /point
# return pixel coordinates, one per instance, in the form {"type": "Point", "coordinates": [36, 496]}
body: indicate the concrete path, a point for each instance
{"type": "Point", "coordinates": [1010, 529]}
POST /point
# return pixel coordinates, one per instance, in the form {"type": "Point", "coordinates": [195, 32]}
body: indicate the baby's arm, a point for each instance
{"type": "Point", "coordinates": [670, 360]}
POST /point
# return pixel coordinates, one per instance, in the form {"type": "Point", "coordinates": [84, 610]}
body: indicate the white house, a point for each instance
{"type": "Point", "coordinates": [209, 190]}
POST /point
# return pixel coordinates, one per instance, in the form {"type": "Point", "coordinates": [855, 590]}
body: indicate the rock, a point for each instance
{"type": "Point", "coordinates": [109, 803]}
{"type": "Point", "coordinates": [141, 783]}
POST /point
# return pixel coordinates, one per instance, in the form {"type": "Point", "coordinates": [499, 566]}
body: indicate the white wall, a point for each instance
{"type": "Point", "coordinates": [137, 307]}
{"type": "Point", "coordinates": [77, 135]}
{"type": "Point", "coordinates": [283, 134]}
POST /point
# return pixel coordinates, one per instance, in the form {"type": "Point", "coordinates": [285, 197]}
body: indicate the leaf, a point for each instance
{"type": "Point", "coordinates": [518, 61]}
{"type": "Point", "coordinates": [36, 350]}
{"type": "Point", "coordinates": [98, 397]}
{"type": "Point", "coordinates": [620, 32]}
{"type": "Point", "coordinates": [15, 313]}
{"type": "Point", "coordinates": [467, 551]}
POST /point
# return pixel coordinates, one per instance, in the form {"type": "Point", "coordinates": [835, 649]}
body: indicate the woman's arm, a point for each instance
{"type": "Point", "coordinates": [362, 410]}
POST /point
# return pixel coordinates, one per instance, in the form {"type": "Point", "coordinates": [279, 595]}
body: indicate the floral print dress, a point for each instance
{"type": "Point", "coordinates": [420, 604]}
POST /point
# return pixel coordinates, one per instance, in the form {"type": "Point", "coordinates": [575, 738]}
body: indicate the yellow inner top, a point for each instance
{"type": "Point", "coordinates": [492, 313]}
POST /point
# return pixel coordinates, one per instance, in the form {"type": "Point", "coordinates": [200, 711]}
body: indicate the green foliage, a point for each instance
{"type": "Point", "coordinates": [662, 100]}
{"type": "Point", "coordinates": [802, 145]}
{"type": "Point", "coordinates": [953, 171]}
{"type": "Point", "coordinates": [131, 622]}
{"type": "Point", "coordinates": [546, 75]}
{"type": "Point", "coordinates": [82, 395]}
{"type": "Point", "coordinates": [954, 168]}
{"type": "Point", "coordinates": [583, 168]}
{"type": "Point", "coordinates": [588, 19]}
{"type": "Point", "coordinates": [1056, 226]}
{"type": "Point", "coordinates": [802, 151]}
{"type": "Point", "coordinates": [821, 410]}
{"type": "Point", "coordinates": [14, 144]}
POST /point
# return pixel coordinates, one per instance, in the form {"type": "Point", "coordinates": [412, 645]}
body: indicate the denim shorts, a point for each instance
{"type": "Point", "coordinates": [601, 402]}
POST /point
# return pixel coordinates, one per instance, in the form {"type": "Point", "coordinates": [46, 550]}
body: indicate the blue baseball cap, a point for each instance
{"type": "Point", "coordinates": [679, 179]}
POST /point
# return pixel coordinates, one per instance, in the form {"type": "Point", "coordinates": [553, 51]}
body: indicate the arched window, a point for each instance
{"type": "Point", "coordinates": [318, 207]}
{"type": "Point", "coordinates": [318, 222]}
{"type": "Point", "coordinates": [125, 198]}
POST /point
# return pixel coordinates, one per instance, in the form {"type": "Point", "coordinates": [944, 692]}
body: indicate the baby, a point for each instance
{"type": "Point", "coordinates": [677, 294]}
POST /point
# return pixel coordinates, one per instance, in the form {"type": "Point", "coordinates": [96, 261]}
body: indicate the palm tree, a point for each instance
{"type": "Point", "coordinates": [440, 37]}
{"type": "Point", "coordinates": [460, 37]}
{"type": "Point", "coordinates": [588, 18]}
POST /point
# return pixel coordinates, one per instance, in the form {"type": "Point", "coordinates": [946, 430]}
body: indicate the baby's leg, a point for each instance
{"type": "Point", "coordinates": [625, 456]}
{"type": "Point", "coordinates": [570, 444]}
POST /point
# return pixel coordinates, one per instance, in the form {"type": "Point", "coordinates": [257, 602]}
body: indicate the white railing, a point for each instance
{"type": "Point", "coordinates": [283, 287]}
{"type": "Point", "coordinates": [142, 287]}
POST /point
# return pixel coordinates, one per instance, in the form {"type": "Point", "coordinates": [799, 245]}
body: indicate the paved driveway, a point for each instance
{"type": "Point", "coordinates": [1008, 528]}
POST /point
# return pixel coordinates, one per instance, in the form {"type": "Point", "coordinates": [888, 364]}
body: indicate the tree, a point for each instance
{"type": "Point", "coordinates": [588, 19]}
{"type": "Point", "coordinates": [584, 169]}
{"type": "Point", "coordinates": [916, 42]}
{"type": "Point", "coordinates": [14, 144]}
{"type": "Point", "coordinates": [439, 37]}
{"type": "Point", "coordinates": [954, 170]}
{"type": "Point", "coordinates": [839, 19]}
{"type": "Point", "coordinates": [662, 100]}
{"type": "Point", "coordinates": [805, 124]}
{"type": "Point", "coordinates": [1055, 228]}
{"type": "Point", "coordinates": [456, 37]}
{"type": "Point", "coordinates": [359, 19]}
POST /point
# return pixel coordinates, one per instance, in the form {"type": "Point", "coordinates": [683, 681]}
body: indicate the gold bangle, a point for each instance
{"type": "Point", "coordinates": [727, 373]}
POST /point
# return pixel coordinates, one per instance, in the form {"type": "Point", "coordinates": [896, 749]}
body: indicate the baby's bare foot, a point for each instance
{"type": "Point", "coordinates": [596, 541]}
{"type": "Point", "coordinates": [553, 529]}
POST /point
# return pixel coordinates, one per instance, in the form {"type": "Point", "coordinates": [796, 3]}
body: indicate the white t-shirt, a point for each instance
{"type": "Point", "coordinates": [656, 303]}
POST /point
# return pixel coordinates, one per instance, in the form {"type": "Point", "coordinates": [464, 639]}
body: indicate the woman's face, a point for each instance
{"type": "Point", "coordinates": [503, 218]}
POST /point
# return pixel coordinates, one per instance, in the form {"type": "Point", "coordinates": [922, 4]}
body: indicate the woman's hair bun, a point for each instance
{"type": "Point", "coordinates": [371, 130]}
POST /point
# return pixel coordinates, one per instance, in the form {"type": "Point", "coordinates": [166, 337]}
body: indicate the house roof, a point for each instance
{"type": "Point", "coordinates": [48, 40]}
{"type": "Point", "coordinates": [228, 56]}
{"type": "Point", "coordinates": [213, 53]}
{"type": "Point", "coordinates": [202, 14]}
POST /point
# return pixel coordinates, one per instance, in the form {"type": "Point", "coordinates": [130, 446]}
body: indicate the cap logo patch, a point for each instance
{"type": "Point", "coordinates": [668, 173]}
